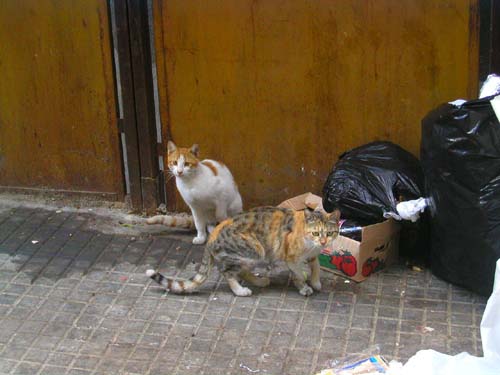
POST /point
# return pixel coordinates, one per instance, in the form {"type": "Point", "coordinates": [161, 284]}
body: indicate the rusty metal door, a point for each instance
{"type": "Point", "coordinates": [58, 124]}
{"type": "Point", "coordinates": [278, 89]}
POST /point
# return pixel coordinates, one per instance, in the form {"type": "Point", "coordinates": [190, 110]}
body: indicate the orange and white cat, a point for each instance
{"type": "Point", "coordinates": [207, 187]}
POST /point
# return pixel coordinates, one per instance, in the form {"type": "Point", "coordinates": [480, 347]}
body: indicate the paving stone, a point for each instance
{"type": "Point", "coordinates": [37, 355]}
{"type": "Point", "coordinates": [13, 352]}
{"type": "Point", "coordinates": [75, 371]}
{"type": "Point", "coordinates": [46, 342]}
{"type": "Point", "coordinates": [7, 365]}
{"type": "Point", "coordinates": [23, 339]}
{"type": "Point", "coordinates": [86, 362]}
{"type": "Point", "coordinates": [60, 359]}
{"type": "Point", "coordinates": [27, 369]}
{"type": "Point", "coordinates": [53, 370]}
{"type": "Point", "coordinates": [69, 345]}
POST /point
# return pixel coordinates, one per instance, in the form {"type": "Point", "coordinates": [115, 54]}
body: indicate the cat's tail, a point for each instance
{"type": "Point", "coordinates": [185, 286]}
{"type": "Point", "coordinates": [179, 221]}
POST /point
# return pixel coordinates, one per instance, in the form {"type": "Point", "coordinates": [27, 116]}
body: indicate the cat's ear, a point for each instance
{"type": "Point", "coordinates": [335, 215]}
{"type": "Point", "coordinates": [171, 147]}
{"type": "Point", "coordinates": [308, 213]}
{"type": "Point", "coordinates": [195, 150]}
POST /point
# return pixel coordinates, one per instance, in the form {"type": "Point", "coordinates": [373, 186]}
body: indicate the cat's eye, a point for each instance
{"type": "Point", "coordinates": [187, 164]}
{"type": "Point", "coordinates": [329, 234]}
{"type": "Point", "coordinates": [174, 162]}
{"type": "Point", "coordinates": [315, 234]}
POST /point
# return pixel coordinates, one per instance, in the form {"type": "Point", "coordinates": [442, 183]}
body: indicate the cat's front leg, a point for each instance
{"type": "Point", "coordinates": [200, 223]}
{"type": "Point", "coordinates": [315, 273]}
{"type": "Point", "coordinates": [299, 278]}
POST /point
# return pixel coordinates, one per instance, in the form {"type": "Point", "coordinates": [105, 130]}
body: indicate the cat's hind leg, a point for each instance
{"type": "Point", "coordinates": [236, 206]}
{"type": "Point", "coordinates": [220, 212]}
{"type": "Point", "coordinates": [260, 281]}
{"type": "Point", "coordinates": [235, 285]}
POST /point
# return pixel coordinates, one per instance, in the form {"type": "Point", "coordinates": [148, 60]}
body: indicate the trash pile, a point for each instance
{"type": "Point", "coordinates": [442, 211]}
{"type": "Point", "coordinates": [368, 183]}
{"type": "Point", "coordinates": [378, 189]}
{"type": "Point", "coordinates": [448, 208]}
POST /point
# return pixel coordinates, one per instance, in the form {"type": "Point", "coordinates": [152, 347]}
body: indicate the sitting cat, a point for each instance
{"type": "Point", "coordinates": [260, 237]}
{"type": "Point", "coordinates": [206, 186]}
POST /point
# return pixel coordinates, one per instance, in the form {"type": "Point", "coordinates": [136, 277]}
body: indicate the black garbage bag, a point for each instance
{"type": "Point", "coordinates": [369, 181]}
{"type": "Point", "coordinates": [460, 154]}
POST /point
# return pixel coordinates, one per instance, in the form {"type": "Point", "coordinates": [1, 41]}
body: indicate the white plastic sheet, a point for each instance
{"type": "Point", "coordinates": [490, 324]}
{"type": "Point", "coordinates": [430, 362]}
{"type": "Point", "coordinates": [490, 87]}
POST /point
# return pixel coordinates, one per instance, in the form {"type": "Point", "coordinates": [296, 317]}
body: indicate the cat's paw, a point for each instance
{"type": "Point", "coordinates": [243, 292]}
{"type": "Point", "coordinates": [306, 290]}
{"type": "Point", "coordinates": [198, 240]}
{"type": "Point", "coordinates": [316, 285]}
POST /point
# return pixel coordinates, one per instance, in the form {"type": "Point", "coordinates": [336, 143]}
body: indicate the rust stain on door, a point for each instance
{"type": "Point", "coordinates": [279, 89]}
{"type": "Point", "coordinates": [58, 126]}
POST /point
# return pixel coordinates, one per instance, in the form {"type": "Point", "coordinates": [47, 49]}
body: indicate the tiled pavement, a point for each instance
{"type": "Point", "coordinates": [76, 301]}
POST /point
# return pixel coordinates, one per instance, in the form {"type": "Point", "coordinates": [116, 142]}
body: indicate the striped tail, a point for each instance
{"type": "Point", "coordinates": [178, 221]}
{"type": "Point", "coordinates": [185, 286]}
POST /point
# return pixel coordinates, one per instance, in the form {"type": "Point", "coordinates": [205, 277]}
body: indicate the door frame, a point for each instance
{"type": "Point", "coordinates": [135, 90]}
{"type": "Point", "coordinates": [489, 43]}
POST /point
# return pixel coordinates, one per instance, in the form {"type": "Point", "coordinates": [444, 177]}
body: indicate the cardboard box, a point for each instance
{"type": "Point", "coordinates": [302, 201]}
{"type": "Point", "coordinates": [355, 260]}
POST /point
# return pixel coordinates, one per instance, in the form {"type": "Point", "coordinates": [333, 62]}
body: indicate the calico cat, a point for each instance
{"type": "Point", "coordinates": [260, 237]}
{"type": "Point", "coordinates": [206, 186]}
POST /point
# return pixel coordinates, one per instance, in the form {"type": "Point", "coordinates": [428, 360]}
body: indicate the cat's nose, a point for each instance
{"type": "Point", "coordinates": [180, 173]}
{"type": "Point", "coordinates": [322, 241]}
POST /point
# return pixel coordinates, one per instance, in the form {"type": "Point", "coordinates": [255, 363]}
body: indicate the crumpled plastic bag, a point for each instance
{"type": "Point", "coordinates": [411, 210]}
{"type": "Point", "coordinates": [368, 362]}
{"type": "Point", "coordinates": [490, 87]}
{"type": "Point", "coordinates": [431, 362]}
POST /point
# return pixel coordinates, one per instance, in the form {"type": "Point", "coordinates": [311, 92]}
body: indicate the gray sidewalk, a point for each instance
{"type": "Point", "coordinates": [76, 301]}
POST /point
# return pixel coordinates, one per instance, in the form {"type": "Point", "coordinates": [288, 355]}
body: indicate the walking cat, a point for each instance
{"type": "Point", "coordinates": [260, 237]}
{"type": "Point", "coordinates": [207, 187]}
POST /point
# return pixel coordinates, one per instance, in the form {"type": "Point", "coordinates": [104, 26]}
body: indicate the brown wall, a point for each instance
{"type": "Point", "coordinates": [58, 125]}
{"type": "Point", "coordinates": [278, 89]}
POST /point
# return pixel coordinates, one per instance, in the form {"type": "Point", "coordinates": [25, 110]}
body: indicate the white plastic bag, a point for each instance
{"type": "Point", "coordinates": [411, 210]}
{"type": "Point", "coordinates": [490, 87]}
{"type": "Point", "coordinates": [490, 324]}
